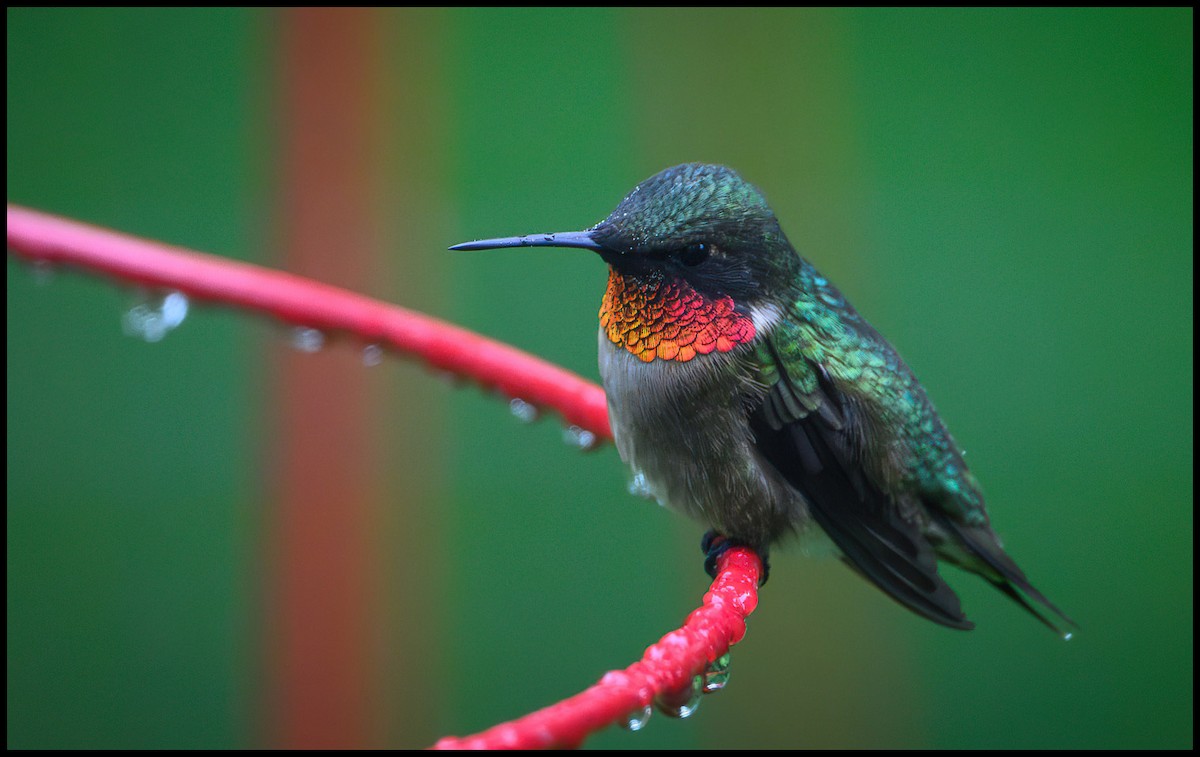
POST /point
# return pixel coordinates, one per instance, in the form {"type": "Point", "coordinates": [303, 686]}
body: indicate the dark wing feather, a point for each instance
{"type": "Point", "coordinates": [806, 428]}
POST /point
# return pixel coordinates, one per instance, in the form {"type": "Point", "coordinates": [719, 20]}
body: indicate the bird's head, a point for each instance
{"type": "Point", "coordinates": [693, 249]}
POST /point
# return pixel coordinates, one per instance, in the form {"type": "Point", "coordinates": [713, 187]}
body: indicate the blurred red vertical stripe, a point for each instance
{"type": "Point", "coordinates": [322, 685]}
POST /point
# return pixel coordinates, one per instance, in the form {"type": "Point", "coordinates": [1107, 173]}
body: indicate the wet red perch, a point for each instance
{"type": "Point", "coordinates": [44, 238]}
{"type": "Point", "coordinates": [666, 668]}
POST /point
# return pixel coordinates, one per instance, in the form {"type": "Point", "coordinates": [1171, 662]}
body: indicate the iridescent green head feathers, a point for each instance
{"type": "Point", "coordinates": [704, 224]}
{"type": "Point", "coordinates": [693, 202]}
{"type": "Point", "coordinates": [697, 223]}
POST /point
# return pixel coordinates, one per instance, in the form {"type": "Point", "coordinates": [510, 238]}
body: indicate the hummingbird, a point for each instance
{"type": "Point", "coordinates": [748, 393]}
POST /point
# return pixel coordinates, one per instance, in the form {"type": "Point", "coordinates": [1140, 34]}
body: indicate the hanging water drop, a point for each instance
{"type": "Point", "coordinates": [154, 317]}
{"type": "Point", "coordinates": [579, 438]}
{"type": "Point", "coordinates": [636, 720]}
{"type": "Point", "coordinates": [307, 339]}
{"type": "Point", "coordinates": [682, 703]}
{"type": "Point", "coordinates": [716, 675]}
{"type": "Point", "coordinates": [522, 410]}
{"type": "Point", "coordinates": [43, 272]}
{"type": "Point", "coordinates": [372, 355]}
{"type": "Point", "coordinates": [449, 378]}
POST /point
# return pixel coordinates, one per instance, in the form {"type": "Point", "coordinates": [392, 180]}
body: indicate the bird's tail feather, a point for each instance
{"type": "Point", "coordinates": [1008, 578]}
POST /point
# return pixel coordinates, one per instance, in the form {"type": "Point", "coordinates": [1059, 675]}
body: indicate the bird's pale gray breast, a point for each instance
{"type": "Point", "coordinates": [682, 426]}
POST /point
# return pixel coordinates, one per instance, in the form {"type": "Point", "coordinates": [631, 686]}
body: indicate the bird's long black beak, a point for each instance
{"type": "Point", "coordinates": [580, 239]}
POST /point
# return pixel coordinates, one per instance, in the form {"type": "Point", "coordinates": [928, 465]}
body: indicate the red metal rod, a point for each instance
{"type": "Point", "coordinates": [40, 237]}
{"type": "Point", "coordinates": [666, 668]}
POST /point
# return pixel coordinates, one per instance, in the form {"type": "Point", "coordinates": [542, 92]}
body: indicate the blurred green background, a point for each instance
{"type": "Point", "coordinates": [1007, 195]}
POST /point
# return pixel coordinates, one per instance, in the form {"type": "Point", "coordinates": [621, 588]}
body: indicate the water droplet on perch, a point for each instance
{"type": "Point", "coordinates": [682, 703]}
{"type": "Point", "coordinates": [153, 317]}
{"type": "Point", "coordinates": [579, 438]}
{"type": "Point", "coordinates": [43, 272]}
{"type": "Point", "coordinates": [636, 720]}
{"type": "Point", "coordinates": [307, 339]}
{"type": "Point", "coordinates": [522, 410]}
{"type": "Point", "coordinates": [372, 355]}
{"type": "Point", "coordinates": [716, 675]}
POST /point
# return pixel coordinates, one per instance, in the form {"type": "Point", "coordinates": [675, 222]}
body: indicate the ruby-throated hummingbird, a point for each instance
{"type": "Point", "coordinates": [748, 393]}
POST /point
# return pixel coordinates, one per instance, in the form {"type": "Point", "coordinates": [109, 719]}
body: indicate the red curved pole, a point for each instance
{"type": "Point", "coordinates": [47, 239]}
{"type": "Point", "coordinates": [666, 668]}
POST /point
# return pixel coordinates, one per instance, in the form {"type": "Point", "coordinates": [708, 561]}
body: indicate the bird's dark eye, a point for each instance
{"type": "Point", "coordinates": [694, 254]}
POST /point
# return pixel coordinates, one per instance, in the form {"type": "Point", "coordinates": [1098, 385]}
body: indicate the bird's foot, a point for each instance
{"type": "Point", "coordinates": [714, 544]}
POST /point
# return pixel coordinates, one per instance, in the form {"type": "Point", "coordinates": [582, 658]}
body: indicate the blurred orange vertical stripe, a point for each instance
{"type": "Point", "coordinates": [322, 685]}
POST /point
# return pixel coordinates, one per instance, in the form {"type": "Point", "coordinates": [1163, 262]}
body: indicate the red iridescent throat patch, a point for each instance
{"type": "Point", "coordinates": [656, 318]}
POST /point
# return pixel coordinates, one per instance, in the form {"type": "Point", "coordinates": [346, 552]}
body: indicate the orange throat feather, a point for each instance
{"type": "Point", "coordinates": [654, 317]}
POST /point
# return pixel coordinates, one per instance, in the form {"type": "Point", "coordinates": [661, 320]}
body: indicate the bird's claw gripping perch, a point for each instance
{"type": "Point", "coordinates": [714, 544]}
